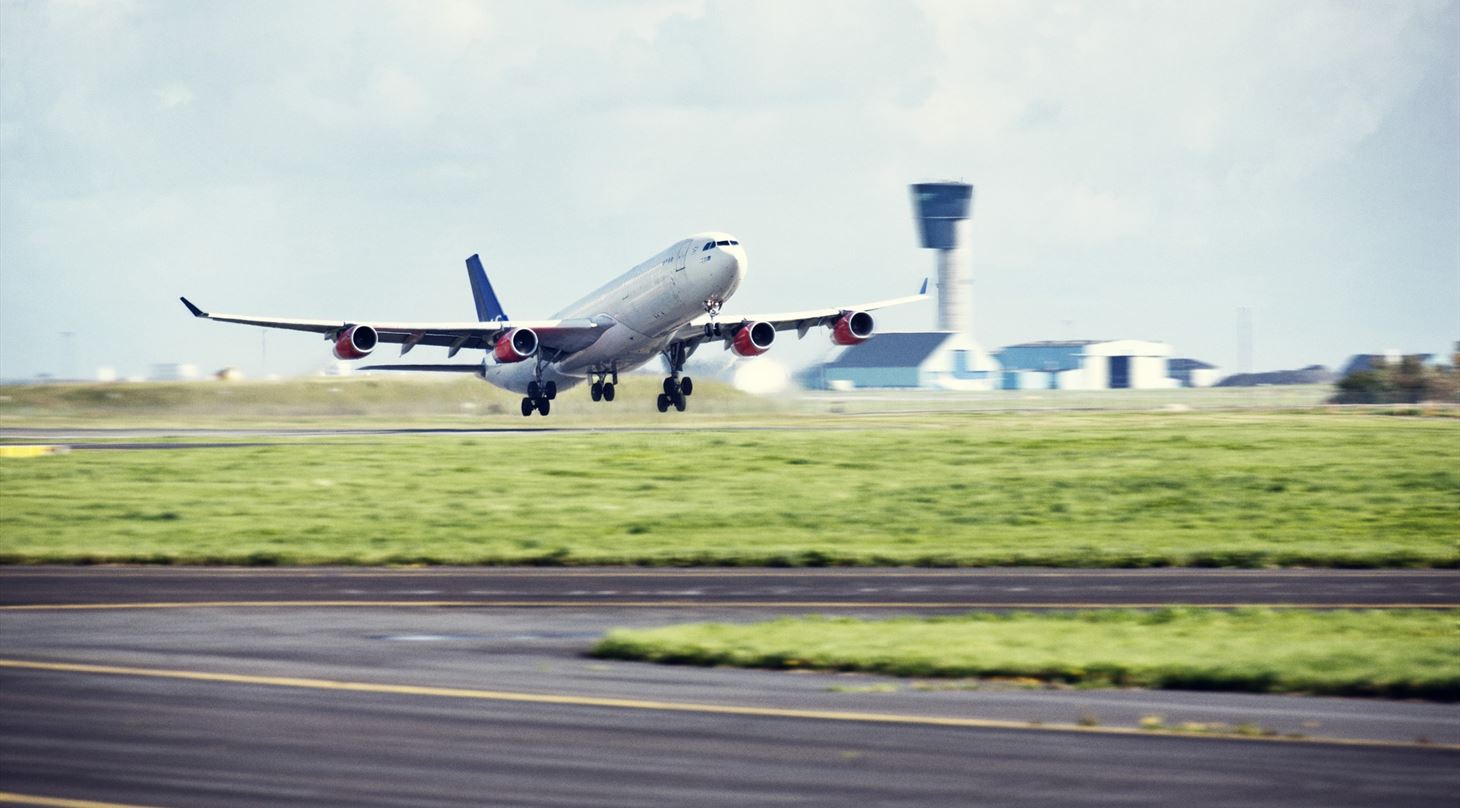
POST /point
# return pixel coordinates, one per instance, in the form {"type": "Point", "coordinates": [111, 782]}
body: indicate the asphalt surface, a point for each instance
{"type": "Point", "coordinates": [750, 588]}
{"type": "Point", "coordinates": [238, 705]}
{"type": "Point", "coordinates": [78, 437]}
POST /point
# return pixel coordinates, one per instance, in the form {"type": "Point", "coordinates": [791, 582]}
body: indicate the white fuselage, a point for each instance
{"type": "Point", "coordinates": [639, 311]}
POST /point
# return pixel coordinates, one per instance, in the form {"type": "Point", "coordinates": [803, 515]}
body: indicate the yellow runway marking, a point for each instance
{"type": "Point", "coordinates": [31, 450]}
{"type": "Point", "coordinates": [11, 798]}
{"type": "Point", "coordinates": [661, 706]}
{"type": "Point", "coordinates": [688, 604]}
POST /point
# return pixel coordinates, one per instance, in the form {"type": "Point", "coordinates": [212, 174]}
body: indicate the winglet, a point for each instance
{"type": "Point", "coordinates": [489, 309]}
{"type": "Point", "coordinates": [197, 312]}
{"type": "Point", "coordinates": [921, 291]}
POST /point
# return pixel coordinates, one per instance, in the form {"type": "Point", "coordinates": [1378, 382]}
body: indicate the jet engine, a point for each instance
{"type": "Point", "coordinates": [852, 328]}
{"type": "Point", "coordinates": [753, 339]}
{"type": "Point", "coordinates": [356, 342]}
{"type": "Point", "coordinates": [515, 345]}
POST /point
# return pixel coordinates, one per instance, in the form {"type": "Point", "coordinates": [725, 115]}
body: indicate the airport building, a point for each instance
{"type": "Point", "coordinates": [942, 215]}
{"type": "Point", "coordinates": [925, 359]}
{"type": "Point", "coordinates": [950, 358]}
{"type": "Point", "coordinates": [1193, 372]}
{"type": "Point", "coordinates": [1125, 364]}
{"type": "Point", "coordinates": [173, 372]}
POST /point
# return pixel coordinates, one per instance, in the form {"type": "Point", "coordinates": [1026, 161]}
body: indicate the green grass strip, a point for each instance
{"type": "Point", "coordinates": [1104, 490]}
{"type": "Point", "coordinates": [1397, 654]}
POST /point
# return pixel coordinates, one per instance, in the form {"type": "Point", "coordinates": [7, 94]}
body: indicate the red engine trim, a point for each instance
{"type": "Point", "coordinates": [515, 345]}
{"type": "Point", "coordinates": [753, 339]}
{"type": "Point", "coordinates": [356, 342]}
{"type": "Point", "coordinates": [852, 328]}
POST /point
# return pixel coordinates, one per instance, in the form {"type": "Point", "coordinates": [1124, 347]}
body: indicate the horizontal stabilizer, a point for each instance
{"type": "Point", "coordinates": [456, 368]}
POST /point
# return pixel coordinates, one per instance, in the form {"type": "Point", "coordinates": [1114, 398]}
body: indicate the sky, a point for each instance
{"type": "Point", "coordinates": [1142, 170]}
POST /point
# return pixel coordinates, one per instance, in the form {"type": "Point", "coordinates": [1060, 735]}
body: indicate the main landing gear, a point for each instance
{"type": "Point", "coordinates": [676, 390]}
{"type": "Point", "coordinates": [539, 397]}
{"type": "Point", "coordinates": [603, 385]}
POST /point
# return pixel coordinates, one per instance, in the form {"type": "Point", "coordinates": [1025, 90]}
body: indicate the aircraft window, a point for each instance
{"type": "Point", "coordinates": [723, 243]}
{"type": "Point", "coordinates": [708, 245]}
{"type": "Point", "coordinates": [734, 242]}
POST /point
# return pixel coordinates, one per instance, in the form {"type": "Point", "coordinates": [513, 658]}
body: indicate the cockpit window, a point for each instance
{"type": "Point", "coordinates": [722, 244]}
{"type": "Point", "coordinates": [734, 243]}
{"type": "Point", "coordinates": [708, 245]}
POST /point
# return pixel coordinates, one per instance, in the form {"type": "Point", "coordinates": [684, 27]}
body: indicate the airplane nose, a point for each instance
{"type": "Point", "coordinates": [734, 268]}
{"type": "Point", "coordinates": [741, 265]}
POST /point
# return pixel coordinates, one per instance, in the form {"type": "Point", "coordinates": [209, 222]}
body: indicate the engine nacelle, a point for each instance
{"type": "Point", "coordinates": [753, 339]}
{"type": "Point", "coordinates": [852, 328]}
{"type": "Point", "coordinates": [356, 342]}
{"type": "Point", "coordinates": [515, 345]}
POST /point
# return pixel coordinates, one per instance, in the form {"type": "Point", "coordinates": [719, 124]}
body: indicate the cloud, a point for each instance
{"type": "Point", "coordinates": [173, 95]}
{"type": "Point", "coordinates": [383, 141]}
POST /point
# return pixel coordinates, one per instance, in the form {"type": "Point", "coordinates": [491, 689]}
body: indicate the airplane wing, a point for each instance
{"type": "Point", "coordinates": [557, 336]}
{"type": "Point", "coordinates": [724, 326]}
{"type": "Point", "coordinates": [456, 368]}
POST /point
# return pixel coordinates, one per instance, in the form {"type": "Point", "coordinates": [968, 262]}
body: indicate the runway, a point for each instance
{"type": "Point", "coordinates": [319, 704]}
{"type": "Point", "coordinates": [807, 588]}
{"type": "Point", "coordinates": [84, 437]}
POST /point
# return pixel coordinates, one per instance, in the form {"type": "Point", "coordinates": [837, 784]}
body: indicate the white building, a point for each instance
{"type": "Point", "coordinates": [1086, 365]}
{"type": "Point", "coordinates": [174, 372]}
{"type": "Point", "coordinates": [924, 359]}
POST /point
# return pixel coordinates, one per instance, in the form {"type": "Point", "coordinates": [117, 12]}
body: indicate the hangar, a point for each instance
{"type": "Point", "coordinates": [1123, 364]}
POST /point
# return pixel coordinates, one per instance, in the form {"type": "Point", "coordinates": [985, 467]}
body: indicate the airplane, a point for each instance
{"type": "Point", "coordinates": [666, 306]}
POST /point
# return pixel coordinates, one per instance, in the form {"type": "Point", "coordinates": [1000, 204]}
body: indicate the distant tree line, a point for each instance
{"type": "Point", "coordinates": [1408, 381]}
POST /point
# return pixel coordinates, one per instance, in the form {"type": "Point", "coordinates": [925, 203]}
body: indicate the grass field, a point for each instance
{"type": "Point", "coordinates": [365, 400]}
{"type": "Point", "coordinates": [1393, 654]}
{"type": "Point", "coordinates": [1243, 489]}
{"type": "Point", "coordinates": [454, 401]}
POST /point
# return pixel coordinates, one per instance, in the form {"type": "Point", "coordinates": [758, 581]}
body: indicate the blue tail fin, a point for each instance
{"type": "Point", "coordinates": [488, 307]}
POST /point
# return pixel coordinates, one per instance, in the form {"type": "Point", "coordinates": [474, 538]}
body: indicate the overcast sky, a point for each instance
{"type": "Point", "coordinates": [1142, 170]}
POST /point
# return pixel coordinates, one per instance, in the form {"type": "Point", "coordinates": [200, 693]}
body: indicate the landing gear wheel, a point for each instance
{"type": "Point", "coordinates": [550, 390]}
{"type": "Point", "coordinates": [544, 406]}
{"type": "Point", "coordinates": [676, 388]}
{"type": "Point", "coordinates": [663, 403]}
{"type": "Point", "coordinates": [608, 391]}
{"type": "Point", "coordinates": [534, 390]}
{"type": "Point", "coordinates": [679, 403]}
{"type": "Point", "coordinates": [527, 407]}
{"type": "Point", "coordinates": [596, 391]}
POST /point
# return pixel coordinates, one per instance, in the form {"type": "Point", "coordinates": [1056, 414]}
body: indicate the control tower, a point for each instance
{"type": "Point", "coordinates": [942, 210]}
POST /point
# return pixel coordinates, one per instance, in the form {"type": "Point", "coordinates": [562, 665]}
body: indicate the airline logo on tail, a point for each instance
{"type": "Point", "coordinates": [489, 308]}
